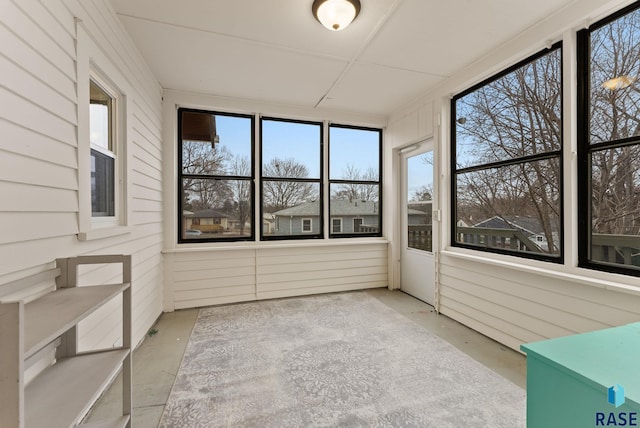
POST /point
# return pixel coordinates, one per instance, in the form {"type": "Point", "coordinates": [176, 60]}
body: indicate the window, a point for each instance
{"type": "Point", "coordinates": [609, 143]}
{"type": "Point", "coordinates": [215, 176]}
{"type": "Point", "coordinates": [103, 154]}
{"type": "Point", "coordinates": [507, 161]}
{"type": "Point", "coordinates": [218, 190]}
{"type": "Point", "coordinates": [291, 178]}
{"type": "Point", "coordinates": [354, 180]}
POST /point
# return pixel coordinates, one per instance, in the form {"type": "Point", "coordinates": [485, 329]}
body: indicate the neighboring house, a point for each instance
{"type": "Point", "coordinates": [355, 216]}
{"type": "Point", "coordinates": [529, 226]}
{"type": "Point", "coordinates": [420, 212]}
{"type": "Point", "coordinates": [346, 217]}
{"type": "Point", "coordinates": [268, 223]}
{"type": "Point", "coordinates": [206, 221]}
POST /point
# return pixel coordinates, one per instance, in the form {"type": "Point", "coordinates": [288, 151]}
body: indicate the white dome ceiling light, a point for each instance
{"type": "Point", "coordinates": [335, 15]}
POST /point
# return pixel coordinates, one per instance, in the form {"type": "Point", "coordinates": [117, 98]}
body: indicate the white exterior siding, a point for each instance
{"type": "Point", "coordinates": [39, 179]}
{"type": "Point", "coordinates": [201, 277]}
{"type": "Point", "coordinates": [211, 277]}
{"type": "Point", "coordinates": [514, 306]}
{"type": "Point", "coordinates": [510, 299]}
{"type": "Point", "coordinates": [319, 269]}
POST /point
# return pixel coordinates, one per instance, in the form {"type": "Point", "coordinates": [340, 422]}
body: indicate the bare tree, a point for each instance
{"type": "Point", "coordinates": [240, 204]}
{"type": "Point", "coordinates": [280, 194]}
{"type": "Point", "coordinates": [422, 193]}
{"type": "Point", "coordinates": [359, 187]}
{"type": "Point", "coordinates": [615, 115]}
{"type": "Point", "coordinates": [200, 158]}
{"type": "Point", "coordinates": [514, 117]}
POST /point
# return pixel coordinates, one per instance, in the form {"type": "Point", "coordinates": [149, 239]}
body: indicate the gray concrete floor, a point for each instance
{"type": "Point", "coordinates": [157, 359]}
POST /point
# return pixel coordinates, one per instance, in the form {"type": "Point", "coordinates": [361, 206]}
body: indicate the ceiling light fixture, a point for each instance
{"type": "Point", "coordinates": [620, 82]}
{"type": "Point", "coordinates": [335, 15]}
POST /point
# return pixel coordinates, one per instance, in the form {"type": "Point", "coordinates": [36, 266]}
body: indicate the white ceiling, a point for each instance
{"type": "Point", "coordinates": [275, 51]}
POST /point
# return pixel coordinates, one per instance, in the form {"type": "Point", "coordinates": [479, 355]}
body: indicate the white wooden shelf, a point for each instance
{"type": "Point", "coordinates": [42, 335]}
{"type": "Point", "coordinates": [63, 394]}
{"type": "Point", "coordinates": [51, 315]}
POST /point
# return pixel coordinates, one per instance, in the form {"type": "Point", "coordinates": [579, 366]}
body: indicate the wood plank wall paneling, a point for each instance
{"type": "Point", "coordinates": [206, 278]}
{"type": "Point", "coordinates": [202, 278]}
{"type": "Point", "coordinates": [515, 307]}
{"type": "Point", "coordinates": [294, 271]}
{"type": "Point", "coordinates": [38, 153]}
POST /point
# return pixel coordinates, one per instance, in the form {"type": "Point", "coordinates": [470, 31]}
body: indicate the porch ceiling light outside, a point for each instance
{"type": "Point", "coordinates": [619, 82]}
{"type": "Point", "coordinates": [335, 15]}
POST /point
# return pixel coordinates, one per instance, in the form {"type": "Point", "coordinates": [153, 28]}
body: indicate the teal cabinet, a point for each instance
{"type": "Point", "coordinates": [585, 380]}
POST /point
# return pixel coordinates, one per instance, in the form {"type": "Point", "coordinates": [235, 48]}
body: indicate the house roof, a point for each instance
{"type": "Point", "coordinates": [207, 214]}
{"type": "Point", "coordinates": [530, 225]}
{"type": "Point", "coordinates": [338, 207]}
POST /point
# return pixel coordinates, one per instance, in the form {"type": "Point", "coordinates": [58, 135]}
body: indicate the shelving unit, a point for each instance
{"type": "Point", "coordinates": [62, 394]}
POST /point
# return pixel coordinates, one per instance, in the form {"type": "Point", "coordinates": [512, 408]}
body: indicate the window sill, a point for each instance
{"type": "Point", "coordinates": [103, 233]}
{"type": "Point", "coordinates": [577, 275]}
{"type": "Point", "coordinates": [229, 246]}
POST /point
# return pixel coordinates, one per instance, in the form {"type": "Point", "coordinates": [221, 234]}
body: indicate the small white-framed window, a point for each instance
{"type": "Point", "coordinates": [336, 225]}
{"type": "Point", "coordinates": [307, 225]}
{"type": "Point", "coordinates": [102, 143]}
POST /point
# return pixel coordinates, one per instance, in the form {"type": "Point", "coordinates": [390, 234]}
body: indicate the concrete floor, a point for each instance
{"type": "Point", "coordinates": [157, 359]}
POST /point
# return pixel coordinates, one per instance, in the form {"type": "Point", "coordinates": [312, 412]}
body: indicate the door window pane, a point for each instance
{"type": "Point", "coordinates": [420, 201]}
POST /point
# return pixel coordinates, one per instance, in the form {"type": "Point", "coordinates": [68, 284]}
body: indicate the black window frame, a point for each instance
{"type": "Point", "coordinates": [181, 175]}
{"type": "Point", "coordinates": [378, 183]}
{"type": "Point", "coordinates": [586, 149]}
{"type": "Point", "coordinates": [319, 181]}
{"type": "Point", "coordinates": [559, 154]}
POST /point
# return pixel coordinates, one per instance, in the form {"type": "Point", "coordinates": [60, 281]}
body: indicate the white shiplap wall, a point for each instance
{"type": "Point", "coordinates": [515, 305]}
{"type": "Point", "coordinates": [201, 277]}
{"type": "Point", "coordinates": [510, 299]}
{"type": "Point", "coordinates": [39, 182]}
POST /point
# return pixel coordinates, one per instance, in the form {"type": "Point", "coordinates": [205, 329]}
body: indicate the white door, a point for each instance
{"type": "Point", "coordinates": [417, 276]}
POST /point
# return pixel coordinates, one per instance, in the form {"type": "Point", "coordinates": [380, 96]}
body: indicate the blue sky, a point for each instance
{"type": "Point", "coordinates": [300, 141]}
{"type": "Point", "coordinates": [419, 172]}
